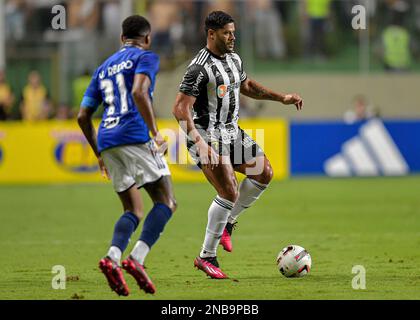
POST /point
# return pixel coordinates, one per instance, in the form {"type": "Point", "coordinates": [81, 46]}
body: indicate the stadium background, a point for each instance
{"type": "Point", "coordinates": [361, 118]}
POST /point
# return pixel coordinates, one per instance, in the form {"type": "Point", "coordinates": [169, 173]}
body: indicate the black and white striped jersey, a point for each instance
{"type": "Point", "coordinates": [215, 82]}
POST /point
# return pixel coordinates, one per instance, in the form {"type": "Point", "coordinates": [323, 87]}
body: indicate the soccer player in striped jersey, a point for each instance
{"type": "Point", "coordinates": [210, 89]}
{"type": "Point", "coordinates": [124, 83]}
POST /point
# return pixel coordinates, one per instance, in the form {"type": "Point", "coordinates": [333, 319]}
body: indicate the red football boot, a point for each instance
{"type": "Point", "coordinates": [210, 266]}
{"type": "Point", "coordinates": [114, 275]}
{"type": "Point", "coordinates": [226, 240]}
{"type": "Point", "coordinates": [133, 267]}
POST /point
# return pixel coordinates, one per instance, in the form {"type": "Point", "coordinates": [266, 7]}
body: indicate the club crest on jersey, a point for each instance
{"type": "Point", "coordinates": [222, 90]}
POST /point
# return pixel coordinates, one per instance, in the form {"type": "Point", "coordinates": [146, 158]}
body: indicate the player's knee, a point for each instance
{"type": "Point", "coordinates": [267, 175]}
{"type": "Point", "coordinates": [168, 201]}
{"type": "Point", "coordinates": [172, 204]}
{"type": "Point", "coordinates": [230, 192]}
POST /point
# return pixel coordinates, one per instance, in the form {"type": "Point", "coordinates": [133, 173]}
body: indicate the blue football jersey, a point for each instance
{"type": "Point", "coordinates": [111, 85]}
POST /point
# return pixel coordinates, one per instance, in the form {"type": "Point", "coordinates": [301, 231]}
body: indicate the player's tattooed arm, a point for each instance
{"type": "Point", "coordinates": [253, 89]}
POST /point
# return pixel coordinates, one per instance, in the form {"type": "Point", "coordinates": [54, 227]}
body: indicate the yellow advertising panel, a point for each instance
{"type": "Point", "coordinates": [272, 135]}
{"type": "Point", "coordinates": [57, 152]}
{"type": "Point", "coordinates": [45, 152]}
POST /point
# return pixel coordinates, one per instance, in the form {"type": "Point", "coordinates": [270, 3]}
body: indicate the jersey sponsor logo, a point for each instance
{"type": "Point", "coordinates": [73, 153]}
{"type": "Point", "coordinates": [117, 68]}
{"type": "Point", "coordinates": [372, 152]}
{"type": "Point", "coordinates": [198, 81]}
{"type": "Point", "coordinates": [223, 89]}
{"type": "Point", "coordinates": [111, 122]}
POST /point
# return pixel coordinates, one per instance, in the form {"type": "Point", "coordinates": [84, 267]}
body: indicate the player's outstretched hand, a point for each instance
{"type": "Point", "coordinates": [162, 145]}
{"type": "Point", "coordinates": [208, 157]}
{"type": "Point", "coordinates": [104, 171]}
{"type": "Point", "coordinates": [294, 99]}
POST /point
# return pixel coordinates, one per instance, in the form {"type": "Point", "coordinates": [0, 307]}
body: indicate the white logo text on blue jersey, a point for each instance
{"type": "Point", "coordinates": [116, 68]}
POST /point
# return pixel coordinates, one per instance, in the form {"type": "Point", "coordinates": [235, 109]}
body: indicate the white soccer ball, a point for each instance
{"type": "Point", "coordinates": [294, 261]}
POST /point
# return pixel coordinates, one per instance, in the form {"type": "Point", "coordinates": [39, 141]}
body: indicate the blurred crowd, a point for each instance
{"type": "Point", "coordinates": [312, 31]}
{"type": "Point", "coordinates": [34, 104]}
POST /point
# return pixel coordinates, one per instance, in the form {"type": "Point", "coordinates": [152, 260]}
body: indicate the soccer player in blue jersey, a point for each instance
{"type": "Point", "coordinates": [126, 153]}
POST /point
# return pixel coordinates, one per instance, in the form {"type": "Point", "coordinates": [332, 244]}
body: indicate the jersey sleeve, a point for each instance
{"type": "Point", "coordinates": [244, 76]}
{"type": "Point", "coordinates": [240, 65]}
{"type": "Point", "coordinates": [148, 64]}
{"type": "Point", "coordinates": [93, 96]}
{"type": "Point", "coordinates": [194, 80]}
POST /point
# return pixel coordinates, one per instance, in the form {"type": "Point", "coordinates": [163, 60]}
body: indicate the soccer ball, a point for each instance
{"type": "Point", "coordinates": [294, 261]}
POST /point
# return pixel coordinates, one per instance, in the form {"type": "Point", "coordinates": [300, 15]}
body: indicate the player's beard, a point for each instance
{"type": "Point", "coordinates": [229, 48]}
{"type": "Point", "coordinates": [224, 47]}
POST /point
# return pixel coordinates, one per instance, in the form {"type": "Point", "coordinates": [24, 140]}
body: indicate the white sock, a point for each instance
{"type": "Point", "coordinates": [217, 217]}
{"type": "Point", "coordinates": [140, 251]}
{"type": "Point", "coordinates": [115, 254]}
{"type": "Point", "coordinates": [249, 192]}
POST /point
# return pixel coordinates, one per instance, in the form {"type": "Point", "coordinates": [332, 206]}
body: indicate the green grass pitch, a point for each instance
{"type": "Point", "coordinates": [341, 222]}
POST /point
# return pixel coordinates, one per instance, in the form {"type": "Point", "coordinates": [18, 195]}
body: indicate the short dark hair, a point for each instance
{"type": "Point", "coordinates": [217, 20]}
{"type": "Point", "coordinates": [135, 26]}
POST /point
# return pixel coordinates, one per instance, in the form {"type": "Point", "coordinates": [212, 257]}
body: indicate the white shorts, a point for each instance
{"type": "Point", "coordinates": [136, 164]}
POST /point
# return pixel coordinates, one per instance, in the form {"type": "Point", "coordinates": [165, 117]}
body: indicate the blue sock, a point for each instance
{"type": "Point", "coordinates": [123, 230]}
{"type": "Point", "coordinates": [154, 223]}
